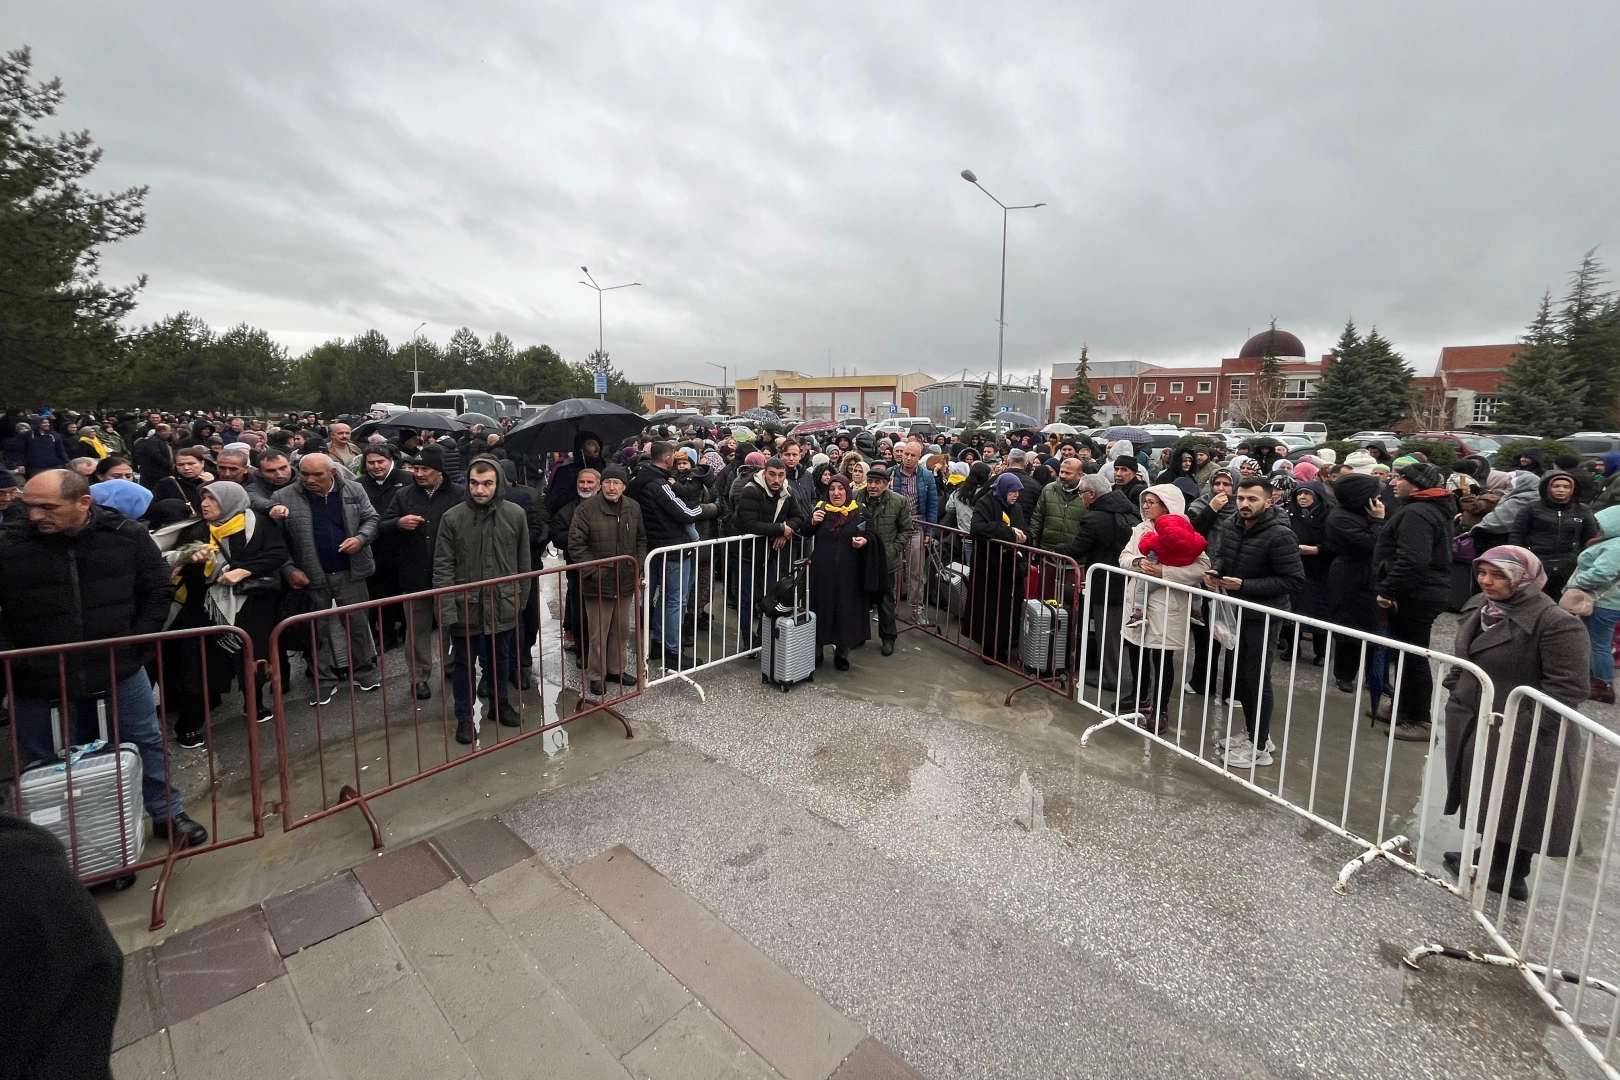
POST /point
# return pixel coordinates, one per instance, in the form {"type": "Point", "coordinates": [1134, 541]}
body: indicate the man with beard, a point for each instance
{"type": "Point", "coordinates": [765, 508]}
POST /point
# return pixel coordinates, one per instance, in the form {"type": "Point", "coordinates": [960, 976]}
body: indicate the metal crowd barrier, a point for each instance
{"type": "Point", "coordinates": [1329, 755]}
{"type": "Point", "coordinates": [718, 589]}
{"type": "Point", "coordinates": [87, 748]}
{"type": "Point", "coordinates": [382, 737]}
{"type": "Point", "coordinates": [1011, 605]}
{"type": "Point", "coordinates": [1569, 929]}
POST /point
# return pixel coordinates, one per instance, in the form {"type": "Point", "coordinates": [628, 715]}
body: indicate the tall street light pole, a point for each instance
{"type": "Point", "coordinates": [724, 380]}
{"type": "Point", "coordinates": [1001, 319]}
{"type": "Point", "coordinates": [416, 368]}
{"type": "Point", "coordinates": [599, 291]}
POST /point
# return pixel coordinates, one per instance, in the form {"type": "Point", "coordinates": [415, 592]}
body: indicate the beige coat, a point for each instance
{"type": "Point", "coordinates": [1168, 610]}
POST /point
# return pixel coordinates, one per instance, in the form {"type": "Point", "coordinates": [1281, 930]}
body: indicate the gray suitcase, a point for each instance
{"type": "Point", "coordinates": [788, 649]}
{"type": "Point", "coordinates": [1044, 637]}
{"type": "Point", "coordinates": [105, 828]}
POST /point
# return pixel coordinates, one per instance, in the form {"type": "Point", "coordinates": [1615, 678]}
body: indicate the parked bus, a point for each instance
{"type": "Point", "coordinates": [456, 402]}
{"type": "Point", "coordinates": [511, 408]}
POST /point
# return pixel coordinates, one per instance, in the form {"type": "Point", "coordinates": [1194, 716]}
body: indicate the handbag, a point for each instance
{"type": "Point", "coordinates": [1577, 601]}
{"type": "Point", "coordinates": [1462, 548]}
{"type": "Point", "coordinates": [259, 585]}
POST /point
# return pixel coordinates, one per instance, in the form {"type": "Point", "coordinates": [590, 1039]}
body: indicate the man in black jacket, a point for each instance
{"type": "Point", "coordinates": [765, 507]}
{"type": "Point", "coordinates": [1256, 558]}
{"type": "Point", "coordinates": [1412, 575]}
{"type": "Point", "coordinates": [1102, 534]}
{"type": "Point", "coordinates": [1128, 478]}
{"type": "Point", "coordinates": [381, 479]}
{"type": "Point", "coordinates": [153, 457]}
{"type": "Point", "coordinates": [575, 622]}
{"type": "Point", "coordinates": [666, 517]}
{"type": "Point", "coordinates": [80, 572]}
{"type": "Point", "coordinates": [412, 520]}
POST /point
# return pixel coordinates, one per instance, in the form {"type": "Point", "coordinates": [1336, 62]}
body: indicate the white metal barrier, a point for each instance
{"type": "Point", "coordinates": [706, 596]}
{"type": "Point", "coordinates": [1329, 762]}
{"type": "Point", "coordinates": [1568, 928]}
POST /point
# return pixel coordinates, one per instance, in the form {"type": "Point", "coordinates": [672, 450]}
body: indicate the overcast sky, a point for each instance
{"type": "Point", "coordinates": [783, 178]}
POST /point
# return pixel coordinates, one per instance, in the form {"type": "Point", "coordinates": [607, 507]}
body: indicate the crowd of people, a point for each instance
{"type": "Point", "coordinates": [190, 521]}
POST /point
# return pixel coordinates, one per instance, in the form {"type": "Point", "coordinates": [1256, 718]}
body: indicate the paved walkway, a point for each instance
{"type": "Point", "coordinates": [470, 957]}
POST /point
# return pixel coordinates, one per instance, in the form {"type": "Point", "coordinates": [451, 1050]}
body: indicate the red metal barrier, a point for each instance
{"type": "Point", "coordinates": [408, 737]}
{"type": "Point", "coordinates": [971, 593]}
{"type": "Point", "coordinates": [63, 695]}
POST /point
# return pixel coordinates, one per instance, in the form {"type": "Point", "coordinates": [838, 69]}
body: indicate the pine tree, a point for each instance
{"type": "Point", "coordinates": [1587, 329]}
{"type": "Point", "coordinates": [1340, 402]}
{"type": "Point", "coordinates": [1541, 393]}
{"type": "Point", "coordinates": [1081, 408]}
{"type": "Point", "coordinates": [1388, 385]}
{"type": "Point", "coordinates": [776, 404]}
{"type": "Point", "coordinates": [984, 406]}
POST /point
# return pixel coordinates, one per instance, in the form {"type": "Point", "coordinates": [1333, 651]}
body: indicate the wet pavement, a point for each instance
{"type": "Point", "coordinates": [991, 899]}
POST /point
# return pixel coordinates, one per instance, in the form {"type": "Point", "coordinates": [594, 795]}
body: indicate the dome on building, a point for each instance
{"type": "Point", "coordinates": [1286, 345]}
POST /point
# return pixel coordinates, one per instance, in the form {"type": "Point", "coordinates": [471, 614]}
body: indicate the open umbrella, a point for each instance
{"type": "Point", "coordinates": [1018, 419]}
{"type": "Point", "coordinates": [418, 419]}
{"type": "Point", "coordinates": [758, 414]}
{"type": "Point", "coordinates": [810, 427]}
{"type": "Point", "coordinates": [679, 416]}
{"type": "Point", "coordinates": [1060, 429]}
{"type": "Point", "coordinates": [556, 428]}
{"type": "Point", "coordinates": [471, 418]}
{"type": "Point", "coordinates": [1134, 435]}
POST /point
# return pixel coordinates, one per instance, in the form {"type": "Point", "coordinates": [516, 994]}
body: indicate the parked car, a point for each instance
{"type": "Point", "coordinates": [1314, 430]}
{"type": "Point", "coordinates": [1391, 442]}
{"type": "Point", "coordinates": [1592, 445]}
{"type": "Point", "coordinates": [1466, 442]}
{"type": "Point", "coordinates": [1296, 444]}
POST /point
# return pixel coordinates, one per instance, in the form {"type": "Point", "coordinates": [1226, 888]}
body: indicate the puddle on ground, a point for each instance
{"type": "Point", "coordinates": [867, 766]}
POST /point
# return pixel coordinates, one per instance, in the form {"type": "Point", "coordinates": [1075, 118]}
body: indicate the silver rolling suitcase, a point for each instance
{"type": "Point", "coordinates": [1044, 637]}
{"type": "Point", "coordinates": [788, 652]}
{"type": "Point", "coordinates": [104, 828]}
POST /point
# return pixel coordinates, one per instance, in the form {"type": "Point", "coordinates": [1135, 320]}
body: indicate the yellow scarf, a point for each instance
{"type": "Point", "coordinates": [216, 534]}
{"type": "Point", "coordinates": [95, 444]}
{"type": "Point", "coordinates": [847, 508]}
{"type": "Point", "coordinates": [1005, 520]}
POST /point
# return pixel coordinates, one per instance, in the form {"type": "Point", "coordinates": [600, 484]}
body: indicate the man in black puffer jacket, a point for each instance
{"type": "Point", "coordinates": [80, 572]}
{"type": "Point", "coordinates": [1556, 528]}
{"type": "Point", "coordinates": [764, 507]}
{"type": "Point", "coordinates": [1255, 557]}
{"type": "Point", "coordinates": [1102, 534]}
{"type": "Point", "coordinates": [1412, 575]}
{"type": "Point", "coordinates": [666, 517]}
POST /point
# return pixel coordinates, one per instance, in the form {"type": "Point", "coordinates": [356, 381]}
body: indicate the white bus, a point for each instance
{"type": "Point", "coordinates": [511, 408]}
{"type": "Point", "coordinates": [456, 402]}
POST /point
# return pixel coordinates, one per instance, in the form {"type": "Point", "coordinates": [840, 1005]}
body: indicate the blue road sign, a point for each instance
{"type": "Point", "coordinates": [843, 408]}
{"type": "Point", "coordinates": [601, 382]}
{"type": "Point", "coordinates": [946, 409]}
{"type": "Point", "coordinates": [893, 409]}
{"type": "Point", "coordinates": [1006, 408]}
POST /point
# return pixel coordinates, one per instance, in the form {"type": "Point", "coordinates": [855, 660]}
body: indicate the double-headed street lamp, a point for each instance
{"type": "Point", "coordinates": [600, 289]}
{"type": "Point", "coordinates": [1001, 320]}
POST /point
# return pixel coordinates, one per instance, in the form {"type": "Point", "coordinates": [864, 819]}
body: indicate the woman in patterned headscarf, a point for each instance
{"type": "Point", "coordinates": [841, 584]}
{"type": "Point", "coordinates": [1518, 636]}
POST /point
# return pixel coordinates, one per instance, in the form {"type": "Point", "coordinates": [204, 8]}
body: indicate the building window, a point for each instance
{"type": "Point", "coordinates": [1202, 419]}
{"type": "Point", "coordinates": [1485, 408]}
{"type": "Point", "coordinates": [1204, 387]}
{"type": "Point", "coordinates": [1119, 388]}
{"type": "Point", "coordinates": [1174, 418]}
{"type": "Point", "coordinates": [1102, 394]}
{"type": "Point", "coordinates": [1239, 387]}
{"type": "Point", "coordinates": [1064, 389]}
{"type": "Point", "coordinates": [1175, 388]}
{"type": "Point", "coordinates": [1150, 388]}
{"type": "Point", "coordinates": [1299, 389]}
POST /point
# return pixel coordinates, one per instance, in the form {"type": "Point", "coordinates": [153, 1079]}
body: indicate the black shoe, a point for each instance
{"type": "Point", "coordinates": [509, 716]}
{"type": "Point", "coordinates": [464, 732]}
{"type": "Point", "coordinates": [1345, 686]}
{"type": "Point", "coordinates": [598, 689]}
{"type": "Point", "coordinates": [423, 690]}
{"type": "Point", "coordinates": [703, 620]}
{"type": "Point", "coordinates": [674, 661]}
{"type": "Point", "coordinates": [191, 740]}
{"type": "Point", "coordinates": [188, 831]}
{"type": "Point", "coordinates": [324, 695]}
{"type": "Point", "coordinates": [525, 679]}
{"type": "Point", "coordinates": [626, 679]}
{"type": "Point", "coordinates": [840, 661]}
{"type": "Point", "coordinates": [1316, 661]}
{"type": "Point", "coordinates": [888, 647]}
{"type": "Point", "coordinates": [1452, 861]}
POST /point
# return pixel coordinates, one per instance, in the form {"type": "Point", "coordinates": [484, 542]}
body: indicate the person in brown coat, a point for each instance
{"type": "Point", "coordinates": [1518, 636]}
{"type": "Point", "coordinates": [606, 525]}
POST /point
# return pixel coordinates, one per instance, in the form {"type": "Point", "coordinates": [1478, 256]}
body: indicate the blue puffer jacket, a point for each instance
{"type": "Point", "coordinates": [927, 492]}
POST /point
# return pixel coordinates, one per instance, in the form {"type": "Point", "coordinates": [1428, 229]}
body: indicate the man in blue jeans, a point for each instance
{"type": "Point", "coordinates": [78, 572]}
{"type": "Point", "coordinates": [666, 516]}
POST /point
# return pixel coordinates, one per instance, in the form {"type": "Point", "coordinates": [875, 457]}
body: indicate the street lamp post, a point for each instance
{"type": "Point", "coordinates": [724, 380]}
{"type": "Point", "coordinates": [599, 291]}
{"type": "Point", "coordinates": [416, 368]}
{"type": "Point", "coordinates": [1001, 319]}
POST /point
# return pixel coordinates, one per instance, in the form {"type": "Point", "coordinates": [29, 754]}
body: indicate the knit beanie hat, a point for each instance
{"type": "Point", "coordinates": [756, 459]}
{"type": "Point", "coordinates": [615, 472]}
{"type": "Point", "coordinates": [1423, 475]}
{"type": "Point", "coordinates": [1360, 461]}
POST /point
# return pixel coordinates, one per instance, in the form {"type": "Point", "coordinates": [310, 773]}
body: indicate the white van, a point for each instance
{"type": "Point", "coordinates": [1314, 430]}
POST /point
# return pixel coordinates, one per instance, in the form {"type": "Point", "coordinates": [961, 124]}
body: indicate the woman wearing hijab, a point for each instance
{"type": "Point", "coordinates": [1518, 636]}
{"type": "Point", "coordinates": [1350, 534]}
{"type": "Point", "coordinates": [1161, 632]}
{"type": "Point", "coordinates": [994, 583]}
{"type": "Point", "coordinates": [843, 575]}
{"type": "Point", "coordinates": [1307, 516]}
{"type": "Point", "coordinates": [228, 572]}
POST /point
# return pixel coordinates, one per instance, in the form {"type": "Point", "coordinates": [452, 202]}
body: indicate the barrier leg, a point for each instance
{"type": "Point", "coordinates": [1394, 843]}
{"type": "Point", "coordinates": [160, 895]}
{"type": "Point", "coordinates": [346, 793]}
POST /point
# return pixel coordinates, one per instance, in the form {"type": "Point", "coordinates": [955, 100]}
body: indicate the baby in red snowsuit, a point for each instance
{"type": "Point", "coordinates": [1169, 541]}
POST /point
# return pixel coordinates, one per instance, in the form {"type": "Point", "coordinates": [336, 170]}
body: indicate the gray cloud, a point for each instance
{"type": "Point", "coordinates": [784, 181]}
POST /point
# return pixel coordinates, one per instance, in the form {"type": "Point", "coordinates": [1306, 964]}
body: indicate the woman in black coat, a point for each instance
{"type": "Point", "coordinates": [842, 573]}
{"type": "Point", "coordinates": [1350, 535]}
{"type": "Point", "coordinates": [1307, 516]}
{"type": "Point", "coordinates": [995, 581]}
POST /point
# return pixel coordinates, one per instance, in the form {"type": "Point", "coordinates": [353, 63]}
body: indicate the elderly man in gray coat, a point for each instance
{"type": "Point", "coordinates": [330, 525]}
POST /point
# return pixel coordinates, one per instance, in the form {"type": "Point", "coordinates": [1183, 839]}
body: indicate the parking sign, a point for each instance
{"type": "Point", "coordinates": [946, 409]}
{"type": "Point", "coordinates": [843, 408]}
{"type": "Point", "coordinates": [893, 409]}
{"type": "Point", "coordinates": [601, 382]}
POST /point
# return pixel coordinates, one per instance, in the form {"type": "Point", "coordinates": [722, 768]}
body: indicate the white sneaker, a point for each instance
{"type": "Point", "coordinates": [1245, 756]}
{"type": "Point", "coordinates": [1236, 741]}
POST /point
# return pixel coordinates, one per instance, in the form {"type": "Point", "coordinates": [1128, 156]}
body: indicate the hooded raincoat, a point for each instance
{"type": "Point", "coordinates": [1165, 619]}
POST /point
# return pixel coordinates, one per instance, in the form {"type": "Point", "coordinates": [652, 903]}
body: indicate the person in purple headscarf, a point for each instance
{"type": "Point", "coordinates": [1518, 636]}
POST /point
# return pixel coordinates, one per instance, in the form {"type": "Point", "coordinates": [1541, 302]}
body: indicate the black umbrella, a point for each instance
{"type": "Point", "coordinates": [471, 418]}
{"type": "Point", "coordinates": [556, 428]}
{"type": "Point", "coordinates": [664, 416]}
{"type": "Point", "coordinates": [418, 419]}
